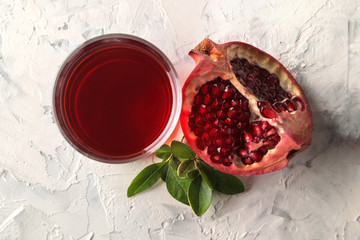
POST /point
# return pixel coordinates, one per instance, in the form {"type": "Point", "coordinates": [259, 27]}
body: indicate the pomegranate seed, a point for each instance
{"type": "Point", "coordinates": [215, 158]}
{"type": "Point", "coordinates": [250, 84]}
{"type": "Point", "coordinates": [199, 132]}
{"type": "Point", "coordinates": [243, 125]}
{"type": "Point", "coordinates": [268, 112]}
{"type": "Point", "coordinates": [256, 155]}
{"type": "Point", "coordinates": [229, 122]}
{"type": "Point", "coordinates": [251, 75]}
{"type": "Point", "coordinates": [242, 152]}
{"type": "Point", "coordinates": [270, 85]}
{"type": "Point", "coordinates": [290, 106]}
{"type": "Point", "coordinates": [244, 116]}
{"type": "Point", "coordinates": [299, 103]}
{"type": "Point", "coordinates": [226, 131]}
{"type": "Point", "coordinates": [215, 104]}
{"type": "Point", "coordinates": [233, 112]}
{"type": "Point", "coordinates": [275, 137]}
{"type": "Point", "coordinates": [263, 150]}
{"type": "Point", "coordinates": [278, 107]}
{"type": "Point", "coordinates": [211, 150]}
{"type": "Point", "coordinates": [272, 93]}
{"type": "Point", "coordinates": [207, 127]}
{"type": "Point", "coordinates": [228, 93]}
{"type": "Point", "coordinates": [226, 105]}
{"type": "Point", "coordinates": [198, 99]}
{"type": "Point", "coordinates": [265, 96]}
{"type": "Point", "coordinates": [224, 151]}
{"type": "Point", "coordinates": [226, 162]}
{"type": "Point", "coordinates": [200, 144]}
{"type": "Point", "coordinates": [257, 82]}
{"type": "Point", "coordinates": [217, 89]}
{"type": "Point", "coordinates": [214, 131]}
{"type": "Point", "coordinates": [205, 88]}
{"type": "Point", "coordinates": [279, 97]}
{"type": "Point", "coordinates": [274, 79]}
{"type": "Point", "coordinates": [208, 99]}
{"type": "Point", "coordinates": [203, 109]}
{"type": "Point", "coordinates": [247, 161]}
{"type": "Point", "coordinates": [218, 142]}
{"type": "Point", "coordinates": [211, 117]}
{"type": "Point", "coordinates": [221, 114]}
{"type": "Point", "coordinates": [264, 125]}
{"type": "Point", "coordinates": [271, 131]}
{"type": "Point", "coordinates": [205, 137]}
{"type": "Point", "coordinates": [200, 121]}
{"type": "Point", "coordinates": [248, 136]}
{"type": "Point", "coordinates": [257, 130]}
{"type": "Point", "coordinates": [269, 144]}
{"type": "Point", "coordinates": [229, 141]}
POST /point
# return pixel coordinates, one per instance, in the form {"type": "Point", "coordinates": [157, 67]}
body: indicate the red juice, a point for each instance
{"type": "Point", "coordinates": [116, 99]}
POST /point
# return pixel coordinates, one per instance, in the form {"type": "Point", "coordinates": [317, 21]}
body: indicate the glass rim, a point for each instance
{"type": "Point", "coordinates": [78, 53]}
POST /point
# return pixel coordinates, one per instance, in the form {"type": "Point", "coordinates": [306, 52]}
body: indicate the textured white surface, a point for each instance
{"type": "Point", "coordinates": [48, 191]}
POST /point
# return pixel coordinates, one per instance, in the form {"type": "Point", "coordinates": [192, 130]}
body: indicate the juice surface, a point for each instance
{"type": "Point", "coordinates": [119, 100]}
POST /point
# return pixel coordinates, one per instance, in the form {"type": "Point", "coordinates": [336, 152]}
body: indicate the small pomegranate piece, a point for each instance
{"type": "Point", "coordinates": [243, 113]}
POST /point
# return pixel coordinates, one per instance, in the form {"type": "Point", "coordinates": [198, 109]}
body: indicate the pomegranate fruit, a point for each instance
{"type": "Point", "coordinates": [243, 113]}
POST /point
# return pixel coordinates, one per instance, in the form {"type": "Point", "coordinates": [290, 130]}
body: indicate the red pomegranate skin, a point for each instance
{"type": "Point", "coordinates": [243, 112]}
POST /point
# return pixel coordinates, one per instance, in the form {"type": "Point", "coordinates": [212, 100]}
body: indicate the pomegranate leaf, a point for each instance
{"type": "Point", "coordinates": [146, 178]}
{"type": "Point", "coordinates": [163, 176]}
{"type": "Point", "coordinates": [200, 196]}
{"type": "Point", "coordinates": [192, 174]}
{"type": "Point", "coordinates": [164, 152]}
{"type": "Point", "coordinates": [176, 186]}
{"type": "Point", "coordinates": [185, 167]}
{"type": "Point", "coordinates": [207, 173]}
{"type": "Point", "coordinates": [182, 151]}
{"type": "Point", "coordinates": [227, 184]}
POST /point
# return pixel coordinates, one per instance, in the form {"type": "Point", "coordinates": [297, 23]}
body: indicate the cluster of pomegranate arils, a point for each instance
{"type": "Point", "coordinates": [237, 116]}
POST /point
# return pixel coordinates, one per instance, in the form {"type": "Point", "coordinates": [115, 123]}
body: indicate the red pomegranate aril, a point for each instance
{"type": "Point", "coordinates": [211, 150]}
{"type": "Point", "coordinates": [214, 131]}
{"type": "Point", "coordinates": [243, 125]}
{"type": "Point", "coordinates": [278, 107]}
{"type": "Point", "coordinates": [273, 79]}
{"type": "Point", "coordinates": [256, 155]}
{"type": "Point", "coordinates": [226, 105]}
{"type": "Point", "coordinates": [205, 88]}
{"type": "Point", "coordinates": [200, 121]}
{"type": "Point", "coordinates": [217, 89]}
{"type": "Point", "coordinates": [243, 152]}
{"type": "Point", "coordinates": [226, 162]}
{"type": "Point", "coordinates": [218, 142]}
{"type": "Point", "coordinates": [248, 137]}
{"type": "Point", "coordinates": [257, 130]}
{"type": "Point", "coordinates": [207, 127]}
{"type": "Point", "coordinates": [229, 122]}
{"type": "Point", "coordinates": [211, 117]}
{"type": "Point", "coordinates": [290, 105]}
{"type": "Point", "coordinates": [270, 144]}
{"type": "Point", "coordinates": [208, 99]}
{"type": "Point", "coordinates": [215, 158]}
{"type": "Point", "coordinates": [221, 114]}
{"type": "Point", "coordinates": [265, 125]}
{"type": "Point", "coordinates": [263, 150]}
{"type": "Point", "coordinates": [199, 132]}
{"type": "Point", "coordinates": [244, 116]}
{"type": "Point", "coordinates": [205, 137]}
{"type": "Point", "coordinates": [224, 151]}
{"type": "Point", "coordinates": [229, 141]}
{"type": "Point", "coordinates": [299, 103]}
{"type": "Point", "coordinates": [268, 112]}
{"type": "Point", "coordinates": [226, 131]}
{"type": "Point", "coordinates": [198, 99]}
{"type": "Point", "coordinates": [203, 109]}
{"type": "Point", "coordinates": [233, 113]}
{"type": "Point", "coordinates": [228, 93]}
{"type": "Point", "coordinates": [200, 144]}
{"type": "Point", "coordinates": [215, 105]}
{"type": "Point", "coordinates": [247, 161]}
{"type": "Point", "coordinates": [279, 97]}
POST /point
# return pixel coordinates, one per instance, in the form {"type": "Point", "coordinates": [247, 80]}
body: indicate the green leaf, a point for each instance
{"type": "Point", "coordinates": [164, 152]}
{"type": "Point", "coordinates": [182, 151]}
{"type": "Point", "coordinates": [207, 173]}
{"type": "Point", "coordinates": [146, 178]}
{"type": "Point", "coordinates": [228, 184]}
{"type": "Point", "coordinates": [200, 196]}
{"type": "Point", "coordinates": [176, 186]}
{"type": "Point", "coordinates": [163, 176]}
{"type": "Point", "coordinates": [192, 174]}
{"type": "Point", "coordinates": [185, 167]}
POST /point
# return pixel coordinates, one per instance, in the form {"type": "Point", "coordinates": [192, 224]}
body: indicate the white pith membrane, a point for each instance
{"type": "Point", "coordinates": [294, 128]}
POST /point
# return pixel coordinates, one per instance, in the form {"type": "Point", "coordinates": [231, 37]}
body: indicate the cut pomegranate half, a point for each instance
{"type": "Point", "coordinates": [243, 112]}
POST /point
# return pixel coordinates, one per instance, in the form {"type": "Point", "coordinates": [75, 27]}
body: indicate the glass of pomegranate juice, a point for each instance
{"type": "Point", "coordinates": [117, 98]}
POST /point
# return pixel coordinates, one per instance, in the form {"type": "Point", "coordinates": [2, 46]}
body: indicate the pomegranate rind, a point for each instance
{"type": "Point", "coordinates": [295, 128]}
